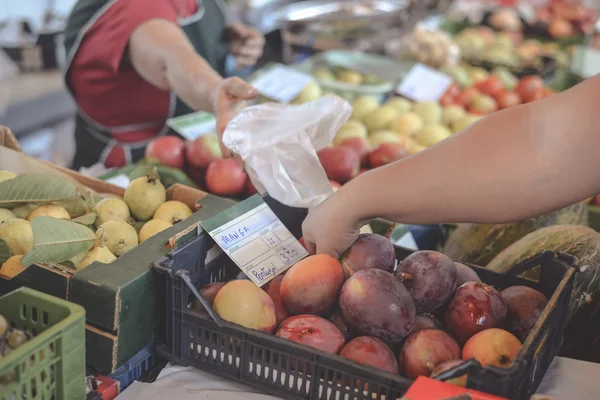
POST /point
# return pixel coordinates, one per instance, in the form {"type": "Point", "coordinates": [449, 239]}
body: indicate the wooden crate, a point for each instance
{"type": "Point", "coordinates": [124, 301]}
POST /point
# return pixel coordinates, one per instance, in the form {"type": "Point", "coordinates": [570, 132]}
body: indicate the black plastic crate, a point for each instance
{"type": "Point", "coordinates": [289, 370]}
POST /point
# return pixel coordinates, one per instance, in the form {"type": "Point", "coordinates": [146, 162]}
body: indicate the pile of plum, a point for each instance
{"type": "Point", "coordinates": [422, 316]}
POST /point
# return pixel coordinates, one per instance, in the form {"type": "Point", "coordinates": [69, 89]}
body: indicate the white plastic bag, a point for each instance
{"type": "Point", "coordinates": [279, 145]}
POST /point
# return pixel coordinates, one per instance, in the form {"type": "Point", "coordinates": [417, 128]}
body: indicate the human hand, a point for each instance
{"type": "Point", "coordinates": [246, 44]}
{"type": "Point", "coordinates": [329, 228]}
{"type": "Point", "coordinates": [229, 98]}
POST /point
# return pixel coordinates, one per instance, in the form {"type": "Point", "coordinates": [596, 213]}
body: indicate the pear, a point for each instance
{"type": "Point", "coordinates": [99, 253]}
{"type": "Point", "coordinates": [118, 236]}
{"type": "Point", "coordinates": [18, 235]}
{"type": "Point", "coordinates": [111, 209]}
{"type": "Point", "coordinates": [144, 195]}
{"type": "Point", "coordinates": [172, 211]}
{"type": "Point", "coordinates": [153, 227]}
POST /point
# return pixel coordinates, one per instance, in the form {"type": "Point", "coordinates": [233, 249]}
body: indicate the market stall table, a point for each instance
{"type": "Point", "coordinates": [566, 379]}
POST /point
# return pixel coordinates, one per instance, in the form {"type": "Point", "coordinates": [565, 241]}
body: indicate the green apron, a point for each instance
{"type": "Point", "coordinates": [206, 31]}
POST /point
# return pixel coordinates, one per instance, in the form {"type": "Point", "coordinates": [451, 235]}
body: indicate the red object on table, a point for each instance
{"type": "Point", "coordinates": [426, 388]}
{"type": "Point", "coordinates": [108, 388]}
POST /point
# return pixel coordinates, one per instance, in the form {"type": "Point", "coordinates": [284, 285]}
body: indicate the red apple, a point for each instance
{"type": "Point", "coordinates": [466, 96]}
{"type": "Point", "coordinates": [560, 28]}
{"type": "Point", "coordinates": [167, 150]}
{"type": "Point", "coordinates": [360, 145]}
{"type": "Point", "coordinates": [224, 177]}
{"type": "Point", "coordinates": [508, 99]}
{"type": "Point", "coordinates": [340, 163]}
{"type": "Point", "coordinates": [202, 151]}
{"type": "Point", "coordinates": [250, 189]}
{"type": "Point", "coordinates": [387, 153]}
{"type": "Point", "coordinates": [483, 104]}
{"type": "Point", "coordinates": [490, 86]}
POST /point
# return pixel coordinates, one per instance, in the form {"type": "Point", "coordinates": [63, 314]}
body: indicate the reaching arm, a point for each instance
{"type": "Point", "coordinates": [162, 55]}
{"type": "Point", "coordinates": [512, 165]}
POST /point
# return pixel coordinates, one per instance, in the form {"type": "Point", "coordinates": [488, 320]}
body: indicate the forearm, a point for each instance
{"type": "Point", "coordinates": [161, 53]}
{"type": "Point", "coordinates": [509, 166]}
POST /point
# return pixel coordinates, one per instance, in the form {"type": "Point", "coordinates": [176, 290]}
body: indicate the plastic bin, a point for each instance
{"type": "Point", "coordinates": [52, 364]}
{"type": "Point", "coordinates": [294, 371]}
{"type": "Point", "coordinates": [134, 368]}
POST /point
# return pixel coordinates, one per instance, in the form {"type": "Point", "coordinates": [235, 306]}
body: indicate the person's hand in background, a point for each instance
{"type": "Point", "coordinates": [246, 44]}
{"type": "Point", "coordinates": [229, 98]}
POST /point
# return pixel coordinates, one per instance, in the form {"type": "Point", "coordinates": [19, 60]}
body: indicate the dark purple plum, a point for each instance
{"type": "Point", "coordinates": [374, 303]}
{"type": "Point", "coordinates": [465, 274]}
{"type": "Point", "coordinates": [430, 278]}
{"type": "Point", "coordinates": [525, 305]}
{"type": "Point", "coordinates": [369, 251]}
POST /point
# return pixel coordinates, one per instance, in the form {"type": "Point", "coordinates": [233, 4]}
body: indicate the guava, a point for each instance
{"type": "Point", "coordinates": [350, 129]}
{"type": "Point", "coordinates": [363, 105]}
{"type": "Point", "coordinates": [12, 267]}
{"type": "Point", "coordinates": [351, 77]}
{"type": "Point", "coordinates": [431, 134]}
{"type": "Point", "coordinates": [6, 175]}
{"type": "Point", "coordinates": [464, 122]}
{"type": "Point", "coordinates": [99, 253]}
{"type": "Point", "coordinates": [310, 92]}
{"type": "Point", "coordinates": [111, 209]}
{"type": "Point", "coordinates": [23, 211]}
{"type": "Point", "coordinates": [6, 215]}
{"type": "Point", "coordinates": [172, 211]}
{"type": "Point", "coordinates": [153, 227]}
{"type": "Point", "coordinates": [380, 137]}
{"type": "Point", "coordinates": [118, 236]}
{"type": "Point", "coordinates": [323, 74]}
{"type": "Point", "coordinates": [380, 118]}
{"type": "Point", "coordinates": [429, 111]}
{"type": "Point", "coordinates": [400, 104]}
{"type": "Point", "coordinates": [143, 196]}
{"type": "Point", "coordinates": [18, 235]}
{"type": "Point", "coordinates": [407, 124]}
{"type": "Point", "coordinates": [49, 210]}
{"type": "Point", "coordinates": [452, 114]}
{"type": "Point", "coordinates": [3, 325]}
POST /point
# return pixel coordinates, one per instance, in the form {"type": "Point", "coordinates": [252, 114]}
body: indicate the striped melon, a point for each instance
{"type": "Point", "coordinates": [479, 243]}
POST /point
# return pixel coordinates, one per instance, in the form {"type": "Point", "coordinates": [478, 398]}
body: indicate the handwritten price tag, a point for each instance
{"type": "Point", "coordinates": [194, 125]}
{"type": "Point", "coordinates": [281, 83]}
{"type": "Point", "coordinates": [255, 239]}
{"type": "Point", "coordinates": [423, 83]}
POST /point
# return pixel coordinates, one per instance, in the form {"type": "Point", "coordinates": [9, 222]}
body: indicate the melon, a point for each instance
{"type": "Point", "coordinates": [583, 329]}
{"type": "Point", "coordinates": [479, 243]}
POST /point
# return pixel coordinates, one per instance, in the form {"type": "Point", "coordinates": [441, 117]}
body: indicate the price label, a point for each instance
{"type": "Point", "coordinates": [423, 83]}
{"type": "Point", "coordinates": [120, 180]}
{"type": "Point", "coordinates": [281, 83]}
{"type": "Point", "coordinates": [255, 239]}
{"type": "Point", "coordinates": [194, 125]}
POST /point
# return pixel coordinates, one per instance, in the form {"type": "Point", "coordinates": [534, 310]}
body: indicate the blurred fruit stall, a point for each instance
{"type": "Point", "coordinates": [125, 260]}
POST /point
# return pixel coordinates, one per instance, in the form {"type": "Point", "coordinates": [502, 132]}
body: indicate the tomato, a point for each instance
{"type": "Point", "coordinates": [528, 85]}
{"type": "Point", "coordinates": [549, 91]}
{"type": "Point", "coordinates": [466, 96]}
{"type": "Point", "coordinates": [490, 86]}
{"type": "Point", "coordinates": [508, 99]}
{"type": "Point", "coordinates": [537, 94]}
{"type": "Point", "coordinates": [446, 100]}
{"type": "Point", "coordinates": [453, 90]}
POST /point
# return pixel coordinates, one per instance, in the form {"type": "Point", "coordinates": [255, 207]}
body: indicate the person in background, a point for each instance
{"type": "Point", "coordinates": [512, 165]}
{"type": "Point", "coordinates": [132, 64]}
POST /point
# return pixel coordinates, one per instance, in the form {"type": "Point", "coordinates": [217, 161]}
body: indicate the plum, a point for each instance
{"type": "Point", "coordinates": [465, 274]}
{"type": "Point", "coordinates": [373, 302]}
{"type": "Point", "coordinates": [494, 346]}
{"type": "Point", "coordinates": [371, 351]}
{"type": "Point", "coordinates": [525, 305]}
{"type": "Point", "coordinates": [312, 331]}
{"type": "Point", "coordinates": [369, 251]}
{"type": "Point", "coordinates": [338, 320]}
{"type": "Point", "coordinates": [430, 278]}
{"type": "Point", "coordinates": [447, 365]}
{"type": "Point", "coordinates": [426, 349]}
{"type": "Point", "coordinates": [474, 308]}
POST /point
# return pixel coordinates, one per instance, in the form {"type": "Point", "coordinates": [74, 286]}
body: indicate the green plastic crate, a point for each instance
{"type": "Point", "coordinates": [57, 351]}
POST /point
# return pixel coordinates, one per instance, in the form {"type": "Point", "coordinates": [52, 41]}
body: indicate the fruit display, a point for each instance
{"type": "Point", "coordinates": [480, 243]}
{"type": "Point", "coordinates": [420, 317]}
{"type": "Point", "coordinates": [46, 219]}
{"type": "Point", "coordinates": [482, 46]}
{"type": "Point", "coordinates": [430, 47]}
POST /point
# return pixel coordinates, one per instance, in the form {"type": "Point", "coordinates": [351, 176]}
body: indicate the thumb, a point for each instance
{"type": "Point", "coordinates": [240, 89]}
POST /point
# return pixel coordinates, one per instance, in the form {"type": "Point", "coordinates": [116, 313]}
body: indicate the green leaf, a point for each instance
{"type": "Point", "coordinates": [35, 188]}
{"type": "Point", "coordinates": [75, 207]}
{"type": "Point", "coordinates": [57, 240]}
{"type": "Point", "coordinates": [87, 219]}
{"type": "Point", "coordinates": [5, 253]}
{"type": "Point", "coordinates": [144, 170]}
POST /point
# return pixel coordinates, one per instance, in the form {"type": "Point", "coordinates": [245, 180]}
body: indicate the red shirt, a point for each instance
{"type": "Point", "coordinates": [109, 90]}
